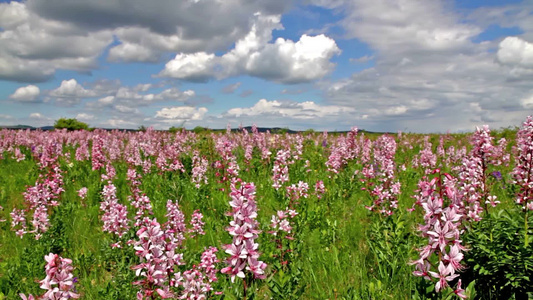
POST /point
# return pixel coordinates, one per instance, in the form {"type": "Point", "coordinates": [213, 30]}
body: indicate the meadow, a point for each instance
{"type": "Point", "coordinates": [252, 215]}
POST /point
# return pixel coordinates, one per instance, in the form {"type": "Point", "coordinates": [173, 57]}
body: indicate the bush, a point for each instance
{"type": "Point", "coordinates": [498, 258]}
{"type": "Point", "coordinates": [70, 124]}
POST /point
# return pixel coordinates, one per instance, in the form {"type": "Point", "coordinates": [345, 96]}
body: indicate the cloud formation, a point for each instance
{"type": "Point", "coordinates": [26, 94]}
{"type": "Point", "coordinates": [515, 52]}
{"type": "Point", "coordinates": [181, 113]}
{"type": "Point", "coordinates": [429, 71]}
{"type": "Point", "coordinates": [283, 61]}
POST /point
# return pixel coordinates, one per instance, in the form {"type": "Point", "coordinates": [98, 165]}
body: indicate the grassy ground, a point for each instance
{"type": "Point", "coordinates": [341, 250]}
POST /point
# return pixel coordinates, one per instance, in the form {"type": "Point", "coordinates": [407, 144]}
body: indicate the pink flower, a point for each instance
{"type": "Point", "coordinates": [454, 258]}
{"type": "Point", "coordinates": [445, 274]}
{"type": "Point", "coordinates": [243, 251]}
{"type": "Point", "coordinates": [459, 291]}
{"type": "Point", "coordinates": [197, 223]}
{"type": "Point", "coordinates": [59, 281]}
{"type": "Point", "coordinates": [82, 193]}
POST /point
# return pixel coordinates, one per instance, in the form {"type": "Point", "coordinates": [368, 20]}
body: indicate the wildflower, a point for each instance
{"type": "Point", "coordinates": [243, 251]}
{"type": "Point", "coordinates": [59, 281]}
{"type": "Point", "coordinates": [445, 274]}
{"type": "Point", "coordinates": [459, 291]}
{"type": "Point", "coordinates": [82, 193]}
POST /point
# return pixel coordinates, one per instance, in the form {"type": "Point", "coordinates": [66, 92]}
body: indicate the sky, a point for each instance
{"type": "Point", "coordinates": [380, 65]}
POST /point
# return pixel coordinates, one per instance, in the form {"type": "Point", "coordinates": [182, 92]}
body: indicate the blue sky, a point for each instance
{"type": "Point", "coordinates": [384, 65]}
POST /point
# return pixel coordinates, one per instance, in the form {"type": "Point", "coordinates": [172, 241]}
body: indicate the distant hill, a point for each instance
{"type": "Point", "coordinates": [24, 127]}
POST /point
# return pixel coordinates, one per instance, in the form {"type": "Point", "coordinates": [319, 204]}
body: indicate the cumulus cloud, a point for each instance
{"type": "Point", "coordinates": [193, 67]}
{"type": "Point", "coordinates": [282, 61]}
{"type": "Point", "coordinates": [26, 94]}
{"type": "Point", "coordinates": [70, 93]}
{"type": "Point", "coordinates": [407, 26]}
{"type": "Point", "coordinates": [514, 51]}
{"type": "Point", "coordinates": [7, 119]}
{"type": "Point", "coordinates": [71, 88]}
{"type": "Point", "coordinates": [37, 115]}
{"type": "Point", "coordinates": [36, 39]}
{"type": "Point", "coordinates": [146, 30]}
{"type": "Point", "coordinates": [181, 113]}
{"type": "Point", "coordinates": [296, 110]}
{"type": "Point", "coordinates": [429, 73]}
{"type": "Point", "coordinates": [85, 117]}
{"type": "Point", "coordinates": [289, 62]}
{"type": "Point", "coordinates": [128, 52]}
{"type": "Point", "coordinates": [32, 48]}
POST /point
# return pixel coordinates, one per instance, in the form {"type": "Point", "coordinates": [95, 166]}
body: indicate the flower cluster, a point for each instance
{"type": "Point", "coordinates": [39, 198]}
{"type": "Point", "coordinates": [197, 281]}
{"type": "Point", "coordinates": [442, 205]}
{"type": "Point", "coordinates": [297, 191]}
{"type": "Point", "coordinates": [115, 215]}
{"type": "Point", "coordinates": [197, 224]}
{"type": "Point", "coordinates": [523, 170]}
{"type": "Point", "coordinates": [199, 169]}
{"type": "Point", "coordinates": [346, 150]}
{"type": "Point", "coordinates": [158, 258]}
{"type": "Point", "coordinates": [137, 198]}
{"type": "Point", "coordinates": [380, 177]}
{"type": "Point", "coordinates": [320, 189]}
{"type": "Point", "coordinates": [244, 229]}
{"type": "Point", "coordinates": [280, 171]}
{"type": "Point", "coordinates": [473, 172]}
{"type": "Point", "coordinates": [280, 221]}
{"type": "Point", "coordinates": [59, 281]}
{"type": "Point", "coordinates": [82, 193]}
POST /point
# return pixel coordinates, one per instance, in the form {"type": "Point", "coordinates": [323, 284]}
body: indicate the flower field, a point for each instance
{"type": "Point", "coordinates": [254, 215]}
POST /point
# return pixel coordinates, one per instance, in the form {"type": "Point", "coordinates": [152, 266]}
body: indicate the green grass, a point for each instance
{"type": "Point", "coordinates": [341, 251]}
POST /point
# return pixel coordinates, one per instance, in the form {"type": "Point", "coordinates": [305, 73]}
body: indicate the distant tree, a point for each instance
{"type": "Point", "coordinates": [70, 124]}
{"type": "Point", "coordinates": [309, 131]}
{"type": "Point", "coordinates": [280, 130]}
{"type": "Point", "coordinates": [175, 129]}
{"type": "Point", "coordinates": [199, 129]}
{"type": "Point", "coordinates": [142, 128]}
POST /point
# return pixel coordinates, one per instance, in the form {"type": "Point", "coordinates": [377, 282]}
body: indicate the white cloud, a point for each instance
{"type": "Point", "coordinates": [71, 88]}
{"type": "Point", "coordinates": [194, 67]}
{"type": "Point", "coordinates": [6, 119]}
{"type": "Point", "coordinates": [181, 113]}
{"type": "Point", "coordinates": [106, 100]}
{"type": "Point", "coordinates": [296, 110]}
{"type": "Point", "coordinates": [126, 109]}
{"type": "Point", "coordinates": [36, 39]}
{"type": "Point", "coordinates": [527, 102]}
{"type": "Point", "coordinates": [289, 62]}
{"type": "Point", "coordinates": [392, 26]}
{"type": "Point", "coordinates": [514, 51]}
{"type": "Point", "coordinates": [32, 47]}
{"type": "Point", "coordinates": [429, 73]}
{"type": "Point", "coordinates": [283, 61]}
{"type": "Point", "coordinates": [120, 123]}
{"type": "Point", "coordinates": [26, 94]}
{"type": "Point", "coordinates": [127, 52]}
{"type": "Point", "coordinates": [85, 117]}
{"type": "Point", "coordinates": [36, 115]}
